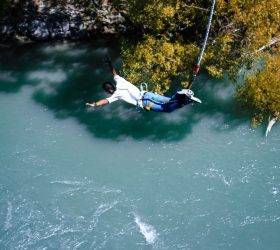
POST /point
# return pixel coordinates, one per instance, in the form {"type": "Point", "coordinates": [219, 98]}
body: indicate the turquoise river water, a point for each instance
{"type": "Point", "coordinates": [73, 177]}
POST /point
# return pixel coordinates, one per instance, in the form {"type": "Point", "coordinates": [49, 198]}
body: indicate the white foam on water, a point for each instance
{"type": "Point", "coordinates": [61, 47]}
{"type": "Point", "coordinates": [7, 76]}
{"type": "Point", "coordinates": [47, 62]}
{"type": "Point", "coordinates": [274, 190]}
{"type": "Point", "coordinates": [73, 183]}
{"type": "Point", "coordinates": [102, 209]}
{"type": "Point", "coordinates": [47, 89]}
{"type": "Point", "coordinates": [77, 246]}
{"type": "Point", "coordinates": [148, 231]}
{"type": "Point", "coordinates": [46, 75]}
{"type": "Point", "coordinates": [9, 217]}
{"type": "Point", "coordinates": [76, 52]}
{"type": "Point", "coordinates": [218, 174]}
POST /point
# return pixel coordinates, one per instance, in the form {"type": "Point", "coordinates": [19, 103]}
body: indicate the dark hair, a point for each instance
{"type": "Point", "coordinates": [108, 85]}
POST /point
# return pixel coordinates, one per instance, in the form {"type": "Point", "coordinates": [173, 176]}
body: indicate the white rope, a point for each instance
{"type": "Point", "coordinates": [206, 34]}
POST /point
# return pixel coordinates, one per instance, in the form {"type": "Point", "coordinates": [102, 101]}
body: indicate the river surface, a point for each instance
{"type": "Point", "coordinates": [111, 177]}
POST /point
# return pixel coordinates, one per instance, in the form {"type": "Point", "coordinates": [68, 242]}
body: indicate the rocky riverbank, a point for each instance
{"type": "Point", "coordinates": [36, 21]}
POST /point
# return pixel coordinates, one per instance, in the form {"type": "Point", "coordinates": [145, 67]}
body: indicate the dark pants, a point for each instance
{"type": "Point", "coordinates": [159, 103]}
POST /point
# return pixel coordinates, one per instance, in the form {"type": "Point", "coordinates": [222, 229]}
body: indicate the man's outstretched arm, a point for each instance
{"type": "Point", "coordinates": [98, 103]}
{"type": "Point", "coordinates": [109, 62]}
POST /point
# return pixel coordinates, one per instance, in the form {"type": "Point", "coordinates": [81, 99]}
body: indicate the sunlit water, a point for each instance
{"type": "Point", "coordinates": [114, 178]}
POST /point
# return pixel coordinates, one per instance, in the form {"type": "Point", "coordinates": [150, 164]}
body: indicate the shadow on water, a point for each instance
{"type": "Point", "coordinates": [64, 76]}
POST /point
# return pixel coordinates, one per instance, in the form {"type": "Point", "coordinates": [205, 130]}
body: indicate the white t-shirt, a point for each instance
{"type": "Point", "coordinates": [125, 91]}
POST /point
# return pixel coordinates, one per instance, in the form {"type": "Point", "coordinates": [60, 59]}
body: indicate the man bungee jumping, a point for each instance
{"type": "Point", "coordinates": [126, 91]}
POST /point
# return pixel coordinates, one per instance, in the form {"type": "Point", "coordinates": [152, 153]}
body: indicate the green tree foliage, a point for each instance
{"type": "Point", "coordinates": [261, 90]}
{"type": "Point", "coordinates": [146, 63]}
{"type": "Point", "coordinates": [173, 30]}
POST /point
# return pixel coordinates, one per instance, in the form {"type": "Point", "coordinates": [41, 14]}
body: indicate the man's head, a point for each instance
{"type": "Point", "coordinates": [109, 87]}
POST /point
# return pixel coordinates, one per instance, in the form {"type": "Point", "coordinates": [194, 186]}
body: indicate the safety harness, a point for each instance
{"type": "Point", "coordinates": [143, 91]}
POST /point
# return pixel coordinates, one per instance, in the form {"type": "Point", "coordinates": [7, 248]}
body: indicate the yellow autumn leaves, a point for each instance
{"type": "Point", "coordinates": [172, 34]}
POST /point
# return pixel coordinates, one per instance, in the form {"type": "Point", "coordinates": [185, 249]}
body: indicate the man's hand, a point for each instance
{"type": "Point", "coordinates": [108, 59]}
{"type": "Point", "coordinates": [109, 62]}
{"type": "Point", "coordinates": [91, 104]}
{"type": "Point", "coordinates": [99, 103]}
